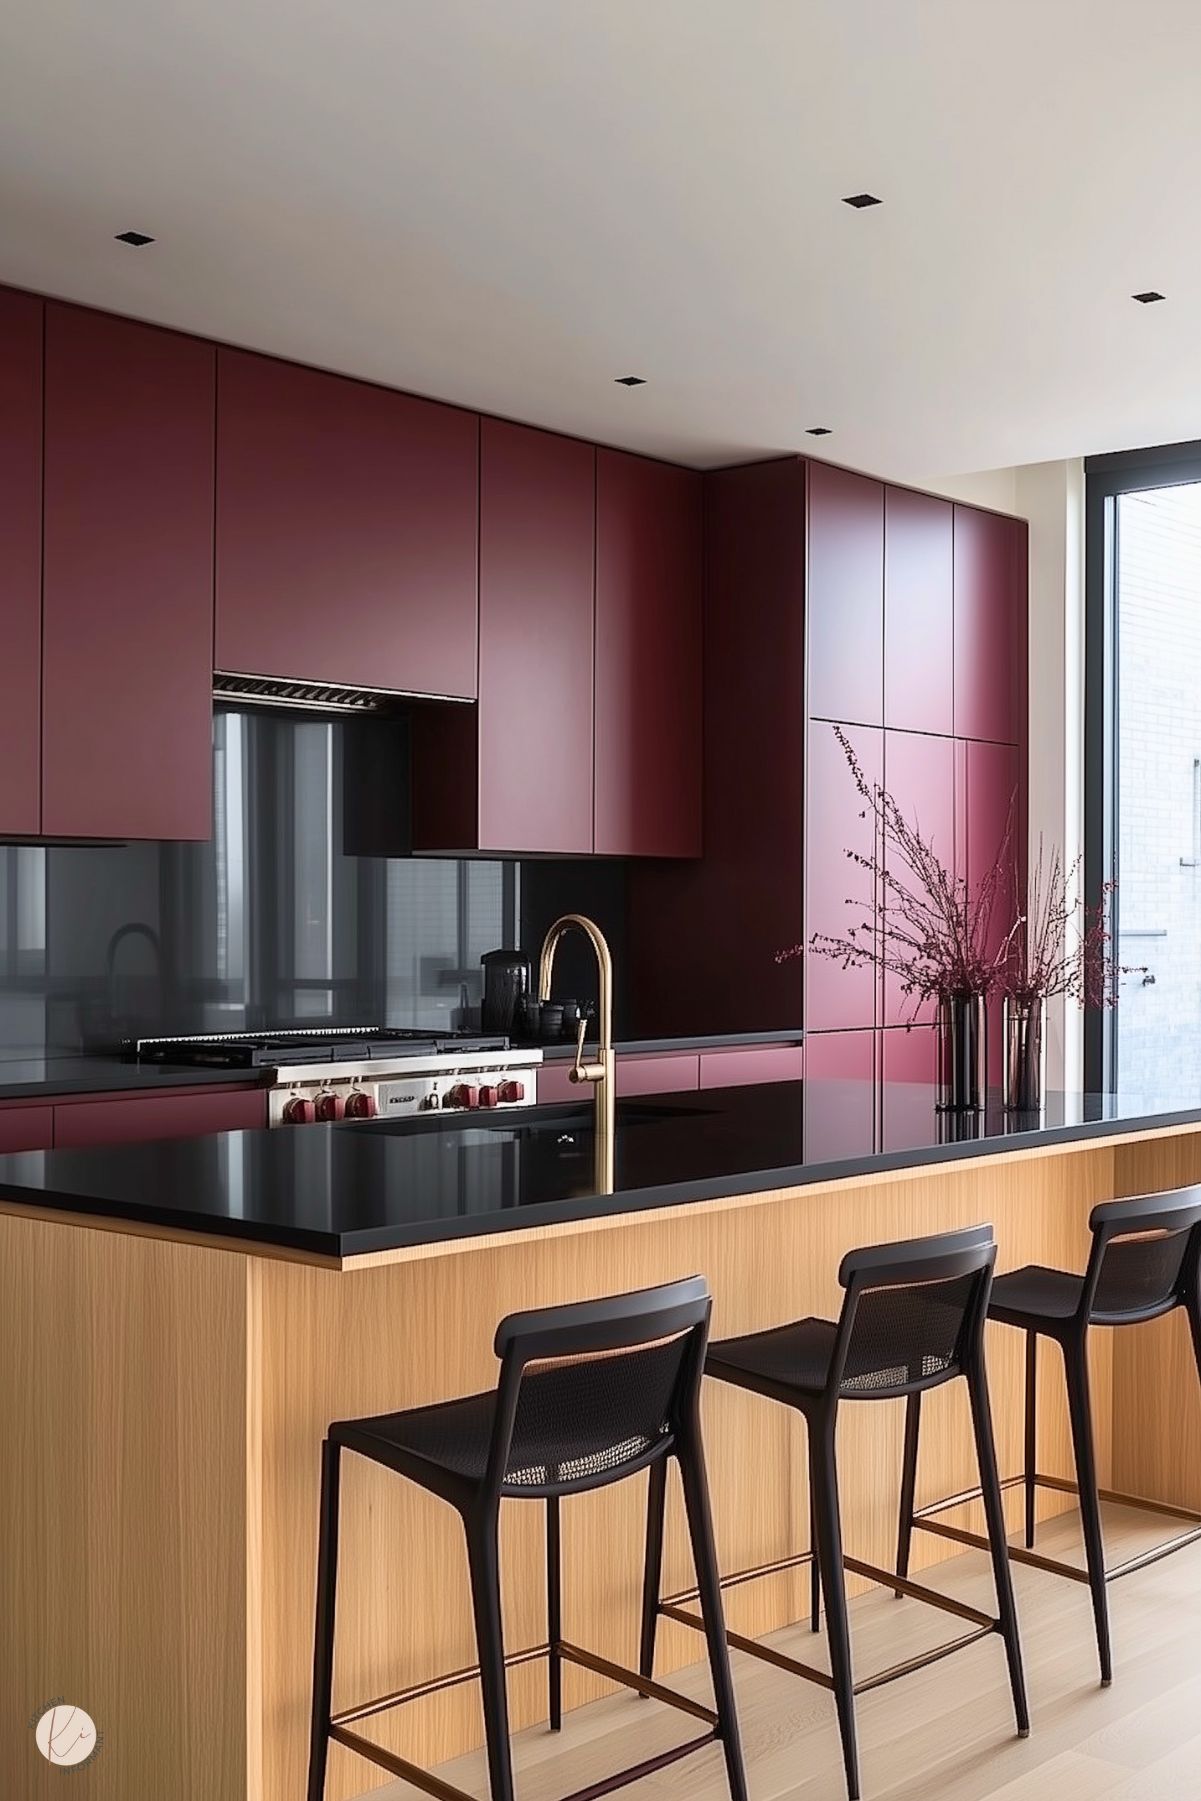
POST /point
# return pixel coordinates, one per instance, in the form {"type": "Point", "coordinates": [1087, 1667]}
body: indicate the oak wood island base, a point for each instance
{"type": "Point", "coordinates": [165, 1399]}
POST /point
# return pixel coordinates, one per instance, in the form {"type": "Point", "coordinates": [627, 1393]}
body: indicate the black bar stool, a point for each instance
{"type": "Point", "coordinates": [588, 1394]}
{"type": "Point", "coordinates": [1143, 1263]}
{"type": "Point", "coordinates": [912, 1319]}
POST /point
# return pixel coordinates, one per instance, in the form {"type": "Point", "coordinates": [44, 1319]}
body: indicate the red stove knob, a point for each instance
{"type": "Point", "coordinates": [360, 1105]}
{"type": "Point", "coordinates": [330, 1106]}
{"type": "Point", "coordinates": [489, 1097]}
{"type": "Point", "coordinates": [463, 1095]}
{"type": "Point", "coordinates": [512, 1091]}
{"type": "Point", "coordinates": [299, 1112]}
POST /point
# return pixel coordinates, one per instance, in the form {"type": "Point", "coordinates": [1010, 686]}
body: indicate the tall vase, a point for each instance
{"type": "Point", "coordinates": [962, 1052]}
{"type": "Point", "coordinates": [1025, 1052]}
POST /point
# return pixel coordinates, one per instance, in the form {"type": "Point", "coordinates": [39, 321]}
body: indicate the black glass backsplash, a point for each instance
{"type": "Point", "coordinates": [289, 915]}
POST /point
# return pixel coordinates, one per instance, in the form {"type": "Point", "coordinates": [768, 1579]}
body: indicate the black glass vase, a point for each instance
{"type": "Point", "coordinates": [962, 1052]}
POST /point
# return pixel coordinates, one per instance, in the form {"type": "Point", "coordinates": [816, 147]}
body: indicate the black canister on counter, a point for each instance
{"type": "Point", "coordinates": [508, 979]}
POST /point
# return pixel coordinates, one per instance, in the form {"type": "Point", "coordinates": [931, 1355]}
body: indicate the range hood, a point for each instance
{"type": "Point", "coordinates": [314, 697]}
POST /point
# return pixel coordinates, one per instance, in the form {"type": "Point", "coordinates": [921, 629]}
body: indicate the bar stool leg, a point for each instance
{"type": "Point", "coordinates": [815, 1575]}
{"type": "Point", "coordinates": [1075, 1357]}
{"type": "Point", "coordinates": [994, 1512]}
{"type": "Point", "coordinates": [323, 1639]}
{"type": "Point", "coordinates": [823, 1479]}
{"type": "Point", "coordinates": [704, 1558]}
{"type": "Point", "coordinates": [1031, 1433]}
{"type": "Point", "coordinates": [484, 1560]}
{"type": "Point", "coordinates": [554, 1613]}
{"type": "Point", "coordinates": [656, 1500]}
{"type": "Point", "coordinates": [913, 1421]}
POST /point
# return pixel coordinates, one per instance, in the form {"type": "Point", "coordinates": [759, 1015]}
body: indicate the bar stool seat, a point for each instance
{"type": "Point", "coordinates": [1144, 1262]}
{"type": "Point", "coordinates": [912, 1319]}
{"type": "Point", "coordinates": [588, 1395]}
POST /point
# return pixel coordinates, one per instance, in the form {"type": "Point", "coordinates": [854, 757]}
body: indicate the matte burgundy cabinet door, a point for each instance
{"type": "Point", "coordinates": [919, 612]}
{"type": "Point", "coordinates": [21, 317]}
{"type": "Point", "coordinates": [537, 553]}
{"type": "Point", "coordinates": [919, 773]}
{"type": "Point", "coordinates": [648, 658]}
{"type": "Point", "coordinates": [128, 580]}
{"type": "Point", "coordinates": [836, 998]}
{"type": "Point", "coordinates": [845, 603]}
{"type": "Point", "coordinates": [990, 630]}
{"type": "Point", "coordinates": [346, 531]}
{"type": "Point", "coordinates": [130, 1119]}
{"type": "Point", "coordinates": [26, 1128]}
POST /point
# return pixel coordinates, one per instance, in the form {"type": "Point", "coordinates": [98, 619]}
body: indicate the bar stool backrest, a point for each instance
{"type": "Point", "coordinates": [595, 1390]}
{"type": "Point", "coordinates": [913, 1314]}
{"type": "Point", "coordinates": [1144, 1256]}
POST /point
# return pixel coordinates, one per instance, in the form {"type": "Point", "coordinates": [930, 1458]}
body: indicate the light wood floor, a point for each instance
{"type": "Point", "coordinates": [946, 1733]}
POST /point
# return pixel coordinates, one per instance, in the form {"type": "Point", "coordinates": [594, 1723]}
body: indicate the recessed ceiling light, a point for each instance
{"type": "Point", "coordinates": [1146, 298]}
{"type": "Point", "coordinates": [818, 431]}
{"type": "Point", "coordinates": [859, 201]}
{"type": "Point", "coordinates": [631, 381]}
{"type": "Point", "coordinates": [136, 238]}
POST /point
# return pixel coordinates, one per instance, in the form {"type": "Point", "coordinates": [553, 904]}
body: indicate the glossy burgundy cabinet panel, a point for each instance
{"type": "Point", "coordinates": [648, 658]}
{"type": "Point", "coordinates": [994, 823]}
{"type": "Point", "coordinates": [132, 1119]}
{"type": "Point", "coordinates": [26, 1128]}
{"type": "Point", "coordinates": [845, 596]}
{"type": "Point", "coordinates": [346, 531]}
{"type": "Point", "coordinates": [537, 551]}
{"type": "Point", "coordinates": [839, 1094]}
{"type": "Point", "coordinates": [745, 1068]}
{"type": "Point", "coordinates": [669, 1072]}
{"type": "Point", "coordinates": [835, 997]}
{"type": "Point", "coordinates": [919, 773]}
{"type": "Point", "coordinates": [919, 618]}
{"type": "Point", "coordinates": [128, 580]}
{"type": "Point", "coordinates": [990, 626]}
{"type": "Point", "coordinates": [21, 319]}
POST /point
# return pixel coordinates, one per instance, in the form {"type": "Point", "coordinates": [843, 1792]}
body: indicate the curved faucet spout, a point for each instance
{"type": "Point", "coordinates": [601, 1072]}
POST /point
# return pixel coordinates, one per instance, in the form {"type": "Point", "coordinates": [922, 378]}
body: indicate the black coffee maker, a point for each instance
{"type": "Point", "coordinates": [508, 979]}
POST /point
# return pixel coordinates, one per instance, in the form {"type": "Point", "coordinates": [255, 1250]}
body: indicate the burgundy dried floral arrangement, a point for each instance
{"type": "Point", "coordinates": [936, 931]}
{"type": "Point", "coordinates": [1063, 946]}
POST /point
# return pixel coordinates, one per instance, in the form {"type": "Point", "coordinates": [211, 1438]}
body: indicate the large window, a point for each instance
{"type": "Point", "coordinates": [1144, 762]}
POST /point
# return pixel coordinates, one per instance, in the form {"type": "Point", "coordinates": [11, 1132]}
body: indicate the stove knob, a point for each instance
{"type": "Point", "coordinates": [512, 1091]}
{"type": "Point", "coordinates": [463, 1095]}
{"type": "Point", "coordinates": [489, 1097]}
{"type": "Point", "coordinates": [360, 1105]}
{"type": "Point", "coordinates": [299, 1112]}
{"type": "Point", "coordinates": [432, 1103]}
{"type": "Point", "coordinates": [330, 1106]}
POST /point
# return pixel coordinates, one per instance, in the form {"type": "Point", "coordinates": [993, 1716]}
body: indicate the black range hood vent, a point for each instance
{"type": "Point", "coordinates": [315, 697]}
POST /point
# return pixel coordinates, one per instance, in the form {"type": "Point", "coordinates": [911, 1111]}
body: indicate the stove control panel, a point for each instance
{"type": "Point", "coordinates": [497, 1081]}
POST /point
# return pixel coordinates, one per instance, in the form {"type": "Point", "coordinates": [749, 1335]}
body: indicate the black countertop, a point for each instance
{"type": "Point", "coordinates": [41, 1078]}
{"type": "Point", "coordinates": [338, 1191]}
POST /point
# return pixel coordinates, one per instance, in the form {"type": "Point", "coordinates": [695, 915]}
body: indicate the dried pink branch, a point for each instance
{"type": "Point", "coordinates": [1063, 946]}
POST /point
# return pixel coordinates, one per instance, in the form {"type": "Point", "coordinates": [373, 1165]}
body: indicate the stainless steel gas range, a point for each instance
{"type": "Point", "coordinates": [334, 1073]}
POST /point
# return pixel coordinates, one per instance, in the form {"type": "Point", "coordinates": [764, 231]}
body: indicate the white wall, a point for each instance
{"type": "Point", "coordinates": [1051, 497]}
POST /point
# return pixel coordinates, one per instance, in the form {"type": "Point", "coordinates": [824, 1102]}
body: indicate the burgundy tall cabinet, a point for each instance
{"type": "Point", "coordinates": [21, 325]}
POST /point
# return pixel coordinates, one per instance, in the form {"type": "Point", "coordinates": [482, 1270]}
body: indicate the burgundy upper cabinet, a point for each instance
{"type": "Point", "coordinates": [346, 531]}
{"type": "Point", "coordinates": [21, 320]}
{"type": "Point", "coordinates": [990, 626]}
{"type": "Point", "coordinates": [919, 629]}
{"type": "Point", "coordinates": [845, 601]}
{"type": "Point", "coordinates": [128, 579]}
{"type": "Point", "coordinates": [648, 658]}
{"type": "Point", "coordinates": [537, 550]}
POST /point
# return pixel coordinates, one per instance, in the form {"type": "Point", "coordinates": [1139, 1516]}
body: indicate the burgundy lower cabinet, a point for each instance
{"type": "Point", "coordinates": [908, 1074]}
{"type": "Point", "coordinates": [128, 1119]}
{"type": "Point", "coordinates": [648, 658]}
{"type": "Point", "coordinates": [26, 1128]}
{"type": "Point", "coordinates": [838, 998]}
{"type": "Point", "coordinates": [757, 1063]}
{"type": "Point", "coordinates": [919, 773]}
{"type": "Point", "coordinates": [128, 579]}
{"type": "Point", "coordinates": [668, 1073]}
{"type": "Point", "coordinates": [346, 531]}
{"type": "Point", "coordinates": [21, 326]}
{"type": "Point", "coordinates": [839, 1094]}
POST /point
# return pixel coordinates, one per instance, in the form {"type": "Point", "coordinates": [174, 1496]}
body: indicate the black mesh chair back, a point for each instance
{"type": "Point", "coordinates": [1144, 1257]}
{"type": "Point", "coordinates": [596, 1390]}
{"type": "Point", "coordinates": [913, 1313]}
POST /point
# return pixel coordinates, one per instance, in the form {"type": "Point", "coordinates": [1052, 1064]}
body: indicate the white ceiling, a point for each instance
{"type": "Point", "coordinates": [511, 202]}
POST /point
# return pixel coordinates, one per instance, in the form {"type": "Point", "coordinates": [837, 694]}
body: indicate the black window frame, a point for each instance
{"type": "Point", "coordinates": [1107, 478]}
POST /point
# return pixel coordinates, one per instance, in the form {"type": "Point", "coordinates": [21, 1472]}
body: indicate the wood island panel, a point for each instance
{"type": "Point", "coordinates": [169, 1400]}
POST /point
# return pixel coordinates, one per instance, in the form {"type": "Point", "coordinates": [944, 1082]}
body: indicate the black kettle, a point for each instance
{"type": "Point", "coordinates": [508, 979]}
